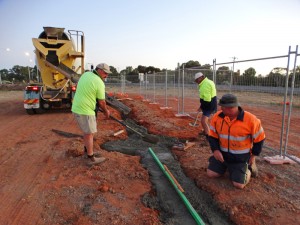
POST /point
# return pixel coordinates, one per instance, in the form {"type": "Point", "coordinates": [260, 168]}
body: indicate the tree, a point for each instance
{"type": "Point", "coordinates": [190, 64]}
{"type": "Point", "coordinates": [276, 80]}
{"type": "Point", "coordinates": [279, 70]}
{"type": "Point", "coordinates": [128, 69]}
{"type": "Point", "coordinates": [206, 66]}
{"type": "Point", "coordinates": [206, 70]}
{"type": "Point", "coordinates": [152, 69]}
{"type": "Point", "coordinates": [113, 70]}
{"type": "Point", "coordinates": [141, 69]}
{"type": "Point", "coordinates": [4, 74]}
{"type": "Point", "coordinates": [18, 73]}
{"type": "Point", "coordinates": [297, 77]}
{"type": "Point", "coordinates": [250, 72]}
{"type": "Point", "coordinates": [223, 70]}
{"type": "Point", "coordinates": [144, 69]}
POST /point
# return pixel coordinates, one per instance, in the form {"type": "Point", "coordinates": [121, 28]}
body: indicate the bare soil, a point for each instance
{"type": "Point", "coordinates": [45, 179]}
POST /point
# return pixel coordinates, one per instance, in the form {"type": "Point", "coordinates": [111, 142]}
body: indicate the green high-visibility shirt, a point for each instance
{"type": "Point", "coordinates": [89, 88]}
{"type": "Point", "coordinates": [207, 90]}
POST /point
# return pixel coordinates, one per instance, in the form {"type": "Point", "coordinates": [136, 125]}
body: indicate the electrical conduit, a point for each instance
{"type": "Point", "coordinates": [193, 212]}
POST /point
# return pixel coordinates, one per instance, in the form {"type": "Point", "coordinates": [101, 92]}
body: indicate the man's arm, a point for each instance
{"type": "Point", "coordinates": [257, 147]}
{"type": "Point", "coordinates": [258, 135]}
{"type": "Point", "coordinates": [215, 148]}
{"type": "Point", "coordinates": [214, 143]}
{"type": "Point", "coordinates": [258, 141]}
{"type": "Point", "coordinates": [102, 105]}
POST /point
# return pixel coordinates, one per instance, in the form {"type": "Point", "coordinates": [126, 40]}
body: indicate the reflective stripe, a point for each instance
{"type": "Point", "coordinates": [258, 132]}
{"type": "Point", "coordinates": [235, 151]}
{"type": "Point", "coordinates": [236, 137]}
{"type": "Point", "coordinates": [232, 138]}
{"type": "Point", "coordinates": [212, 128]}
{"type": "Point", "coordinates": [31, 101]}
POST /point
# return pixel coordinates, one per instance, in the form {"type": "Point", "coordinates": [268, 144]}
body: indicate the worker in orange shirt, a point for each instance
{"type": "Point", "coordinates": [236, 137]}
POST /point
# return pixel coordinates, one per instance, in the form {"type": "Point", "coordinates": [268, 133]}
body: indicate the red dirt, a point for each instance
{"type": "Point", "coordinates": [45, 180]}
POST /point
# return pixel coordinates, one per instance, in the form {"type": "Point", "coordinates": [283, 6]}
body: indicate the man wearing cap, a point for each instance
{"type": "Point", "coordinates": [208, 99]}
{"type": "Point", "coordinates": [236, 138]}
{"type": "Point", "coordinates": [90, 88]}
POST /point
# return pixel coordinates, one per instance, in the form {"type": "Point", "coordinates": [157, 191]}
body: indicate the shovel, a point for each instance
{"type": "Point", "coordinates": [195, 124]}
{"type": "Point", "coordinates": [148, 137]}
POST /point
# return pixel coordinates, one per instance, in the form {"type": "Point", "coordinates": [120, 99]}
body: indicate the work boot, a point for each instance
{"type": "Point", "coordinates": [95, 160]}
{"type": "Point", "coordinates": [253, 169]}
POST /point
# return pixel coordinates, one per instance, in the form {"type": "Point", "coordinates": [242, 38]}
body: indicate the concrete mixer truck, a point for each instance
{"type": "Point", "coordinates": [60, 61]}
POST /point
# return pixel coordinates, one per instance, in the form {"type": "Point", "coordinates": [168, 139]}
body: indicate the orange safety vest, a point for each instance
{"type": "Point", "coordinates": [236, 136]}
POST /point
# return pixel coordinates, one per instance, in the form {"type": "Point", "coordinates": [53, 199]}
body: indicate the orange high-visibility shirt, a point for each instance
{"type": "Point", "coordinates": [236, 136]}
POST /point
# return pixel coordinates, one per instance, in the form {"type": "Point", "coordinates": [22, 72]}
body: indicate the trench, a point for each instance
{"type": "Point", "coordinates": [166, 200]}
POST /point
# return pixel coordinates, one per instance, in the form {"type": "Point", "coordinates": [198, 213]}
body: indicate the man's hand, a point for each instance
{"type": "Point", "coordinates": [103, 108]}
{"type": "Point", "coordinates": [218, 156]}
{"type": "Point", "coordinates": [107, 114]}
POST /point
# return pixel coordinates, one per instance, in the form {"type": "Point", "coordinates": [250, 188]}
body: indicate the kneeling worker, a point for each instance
{"type": "Point", "coordinates": [236, 137]}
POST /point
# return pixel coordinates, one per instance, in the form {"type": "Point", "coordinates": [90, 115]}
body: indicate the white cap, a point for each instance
{"type": "Point", "coordinates": [104, 67]}
{"type": "Point", "coordinates": [197, 75]}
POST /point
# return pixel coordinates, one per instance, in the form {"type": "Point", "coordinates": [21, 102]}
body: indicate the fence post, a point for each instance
{"type": "Point", "coordinates": [291, 102]}
{"type": "Point", "coordinates": [232, 74]}
{"type": "Point", "coordinates": [123, 78]}
{"type": "Point", "coordinates": [182, 94]}
{"type": "Point", "coordinates": [214, 71]}
{"type": "Point", "coordinates": [284, 102]}
{"type": "Point", "coordinates": [154, 91]}
{"type": "Point", "coordinates": [166, 92]}
{"type": "Point", "coordinates": [140, 79]}
{"type": "Point", "coordinates": [178, 93]}
{"type": "Point", "coordinates": [146, 86]}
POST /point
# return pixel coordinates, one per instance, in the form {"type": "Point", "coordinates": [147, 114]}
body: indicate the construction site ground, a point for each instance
{"type": "Point", "coordinates": [45, 179]}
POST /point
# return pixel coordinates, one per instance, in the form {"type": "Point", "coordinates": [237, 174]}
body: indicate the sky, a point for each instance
{"type": "Point", "coordinates": [159, 33]}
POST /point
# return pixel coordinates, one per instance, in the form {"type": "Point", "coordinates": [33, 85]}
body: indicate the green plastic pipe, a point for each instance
{"type": "Point", "coordinates": [193, 212]}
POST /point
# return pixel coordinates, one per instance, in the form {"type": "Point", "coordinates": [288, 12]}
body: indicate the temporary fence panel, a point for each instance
{"type": "Point", "coordinates": [113, 84]}
{"type": "Point", "coordinates": [272, 94]}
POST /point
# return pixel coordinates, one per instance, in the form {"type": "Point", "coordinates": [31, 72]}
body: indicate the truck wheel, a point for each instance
{"type": "Point", "coordinates": [30, 111]}
{"type": "Point", "coordinates": [39, 111]}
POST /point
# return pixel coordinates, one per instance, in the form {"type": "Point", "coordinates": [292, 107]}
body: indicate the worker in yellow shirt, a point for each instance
{"type": "Point", "coordinates": [208, 99]}
{"type": "Point", "coordinates": [90, 88]}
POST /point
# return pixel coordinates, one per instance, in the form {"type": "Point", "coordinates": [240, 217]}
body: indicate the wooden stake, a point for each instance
{"type": "Point", "coordinates": [176, 182]}
{"type": "Point", "coordinates": [118, 132]}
